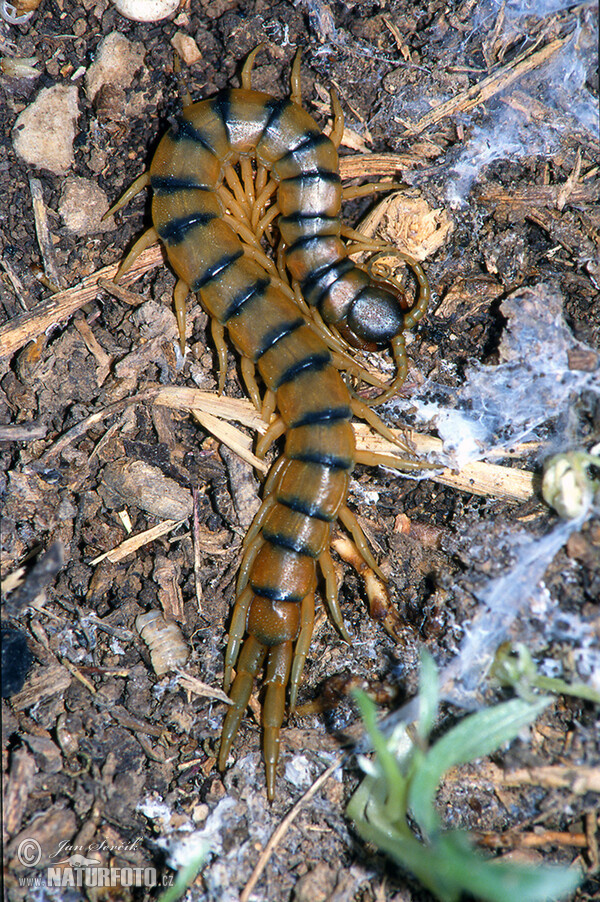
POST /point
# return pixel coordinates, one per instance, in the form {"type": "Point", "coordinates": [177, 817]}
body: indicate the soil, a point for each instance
{"type": "Point", "coordinates": [105, 751]}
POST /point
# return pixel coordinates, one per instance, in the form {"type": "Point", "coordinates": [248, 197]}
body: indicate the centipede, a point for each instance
{"type": "Point", "coordinates": [231, 170]}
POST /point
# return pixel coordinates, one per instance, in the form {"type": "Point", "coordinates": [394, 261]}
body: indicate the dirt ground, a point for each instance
{"type": "Point", "coordinates": [487, 121]}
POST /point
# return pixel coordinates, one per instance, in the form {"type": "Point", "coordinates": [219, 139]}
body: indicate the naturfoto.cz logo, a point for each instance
{"type": "Point", "coordinates": [79, 871]}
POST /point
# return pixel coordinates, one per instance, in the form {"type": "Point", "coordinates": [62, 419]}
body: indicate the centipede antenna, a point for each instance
{"type": "Point", "coordinates": [246, 74]}
{"type": "Point", "coordinates": [141, 182]}
{"type": "Point", "coordinates": [296, 90]}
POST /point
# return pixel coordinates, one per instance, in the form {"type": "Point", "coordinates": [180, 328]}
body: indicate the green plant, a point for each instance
{"type": "Point", "coordinates": [403, 778]}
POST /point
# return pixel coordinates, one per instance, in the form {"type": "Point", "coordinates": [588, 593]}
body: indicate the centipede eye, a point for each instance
{"type": "Point", "coordinates": [374, 318]}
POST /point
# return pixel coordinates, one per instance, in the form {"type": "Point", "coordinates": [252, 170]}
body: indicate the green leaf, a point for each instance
{"type": "Point", "coordinates": [474, 737]}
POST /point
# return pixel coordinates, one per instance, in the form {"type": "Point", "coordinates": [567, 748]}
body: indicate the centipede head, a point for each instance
{"type": "Point", "coordinates": [375, 317]}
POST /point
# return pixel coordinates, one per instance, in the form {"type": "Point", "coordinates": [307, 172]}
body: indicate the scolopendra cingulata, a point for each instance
{"type": "Point", "coordinates": [211, 220]}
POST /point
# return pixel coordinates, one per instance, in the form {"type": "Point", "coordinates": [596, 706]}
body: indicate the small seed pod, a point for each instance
{"type": "Point", "coordinates": [165, 642]}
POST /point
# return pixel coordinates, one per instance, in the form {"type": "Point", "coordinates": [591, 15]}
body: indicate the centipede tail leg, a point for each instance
{"type": "Point", "coordinates": [279, 662]}
{"type": "Point", "coordinates": [307, 622]}
{"type": "Point", "coordinates": [251, 660]}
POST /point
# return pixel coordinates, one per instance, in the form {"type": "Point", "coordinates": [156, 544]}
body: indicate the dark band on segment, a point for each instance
{"type": "Point", "coordinates": [176, 230]}
{"type": "Point", "coordinates": [326, 414]}
{"type": "Point", "coordinates": [213, 271]}
{"type": "Point", "coordinates": [326, 459]}
{"type": "Point", "coordinates": [245, 295]}
{"type": "Point", "coordinates": [318, 282]}
{"type": "Point", "coordinates": [183, 130]}
{"type": "Point", "coordinates": [320, 175]}
{"type": "Point", "coordinates": [276, 593]}
{"type": "Point", "coordinates": [222, 106]}
{"type": "Point", "coordinates": [310, 509]}
{"type": "Point", "coordinates": [276, 334]}
{"type": "Point", "coordinates": [290, 543]}
{"type": "Point", "coordinates": [165, 185]}
{"type": "Point", "coordinates": [310, 141]}
{"type": "Point", "coordinates": [316, 361]}
{"type": "Point", "coordinates": [307, 241]}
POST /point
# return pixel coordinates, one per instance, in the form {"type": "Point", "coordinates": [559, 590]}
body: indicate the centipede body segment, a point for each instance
{"type": "Point", "coordinates": [208, 221]}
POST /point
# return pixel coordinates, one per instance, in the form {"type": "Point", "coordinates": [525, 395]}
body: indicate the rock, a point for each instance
{"type": "Point", "coordinates": [186, 47]}
{"type": "Point", "coordinates": [44, 132]}
{"type": "Point", "coordinates": [117, 61]}
{"type": "Point", "coordinates": [146, 10]}
{"type": "Point", "coordinates": [82, 205]}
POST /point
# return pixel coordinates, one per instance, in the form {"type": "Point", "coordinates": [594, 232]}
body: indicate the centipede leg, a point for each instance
{"type": "Point", "coordinates": [331, 593]}
{"type": "Point", "coordinates": [146, 240]}
{"type": "Point", "coordinates": [350, 192]}
{"type": "Point", "coordinates": [251, 660]}
{"type": "Point", "coordinates": [363, 412]}
{"type": "Point", "coordinates": [236, 634]}
{"type": "Point", "coordinates": [180, 294]}
{"type": "Point", "coordinates": [275, 431]}
{"type": "Point", "coordinates": [307, 622]}
{"type": "Point", "coordinates": [279, 663]}
{"type": "Point", "coordinates": [218, 336]}
{"type": "Point", "coordinates": [269, 405]}
{"type": "Point", "coordinates": [248, 179]}
{"type": "Point", "coordinates": [337, 132]}
{"type": "Point", "coordinates": [354, 528]}
{"type": "Point", "coordinates": [248, 375]}
{"type": "Point", "coordinates": [250, 551]}
{"type": "Point", "coordinates": [141, 182]}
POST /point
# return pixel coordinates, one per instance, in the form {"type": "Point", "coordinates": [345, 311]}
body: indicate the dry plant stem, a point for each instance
{"type": "Point", "coordinates": [60, 306]}
{"type": "Point", "coordinates": [578, 780]}
{"type": "Point", "coordinates": [478, 478]}
{"type": "Point", "coordinates": [132, 544]}
{"type": "Point", "coordinates": [489, 86]}
{"type": "Point", "coordinates": [43, 232]}
{"type": "Point", "coordinates": [284, 827]}
{"type": "Point", "coordinates": [531, 840]}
